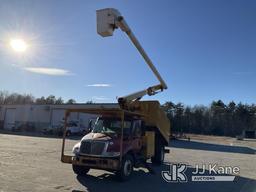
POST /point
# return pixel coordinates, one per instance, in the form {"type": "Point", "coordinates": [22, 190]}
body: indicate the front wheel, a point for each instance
{"type": "Point", "coordinates": [80, 170]}
{"type": "Point", "coordinates": [126, 169]}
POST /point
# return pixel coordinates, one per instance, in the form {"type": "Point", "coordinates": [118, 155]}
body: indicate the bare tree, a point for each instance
{"type": "Point", "coordinates": [71, 101]}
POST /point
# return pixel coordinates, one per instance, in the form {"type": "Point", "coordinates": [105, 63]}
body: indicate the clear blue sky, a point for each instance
{"type": "Point", "coordinates": [204, 49]}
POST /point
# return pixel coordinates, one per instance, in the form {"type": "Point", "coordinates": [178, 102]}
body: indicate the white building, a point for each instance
{"type": "Point", "coordinates": [43, 116]}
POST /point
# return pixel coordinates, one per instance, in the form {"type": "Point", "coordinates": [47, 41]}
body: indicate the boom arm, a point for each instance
{"type": "Point", "coordinates": [107, 21]}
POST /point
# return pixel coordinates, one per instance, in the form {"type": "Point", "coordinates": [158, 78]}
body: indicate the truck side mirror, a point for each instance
{"type": "Point", "coordinates": [90, 126]}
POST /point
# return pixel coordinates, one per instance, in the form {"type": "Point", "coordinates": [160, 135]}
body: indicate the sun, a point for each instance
{"type": "Point", "coordinates": [18, 45]}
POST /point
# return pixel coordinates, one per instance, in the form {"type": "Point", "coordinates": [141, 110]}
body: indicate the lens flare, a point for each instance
{"type": "Point", "coordinates": [18, 45]}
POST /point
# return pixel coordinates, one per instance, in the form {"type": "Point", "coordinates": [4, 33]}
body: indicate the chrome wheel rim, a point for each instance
{"type": "Point", "coordinates": [127, 167]}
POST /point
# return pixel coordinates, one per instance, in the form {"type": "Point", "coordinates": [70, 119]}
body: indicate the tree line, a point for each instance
{"type": "Point", "coordinates": [217, 119]}
{"type": "Point", "coordinates": [16, 98]}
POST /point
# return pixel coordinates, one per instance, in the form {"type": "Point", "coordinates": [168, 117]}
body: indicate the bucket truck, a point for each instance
{"type": "Point", "coordinates": [130, 134]}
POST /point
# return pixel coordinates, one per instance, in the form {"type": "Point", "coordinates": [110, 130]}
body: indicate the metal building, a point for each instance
{"type": "Point", "coordinates": [43, 116]}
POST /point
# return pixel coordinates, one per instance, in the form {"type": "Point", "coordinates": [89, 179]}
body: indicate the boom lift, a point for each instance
{"type": "Point", "coordinates": [126, 136]}
{"type": "Point", "coordinates": [107, 21]}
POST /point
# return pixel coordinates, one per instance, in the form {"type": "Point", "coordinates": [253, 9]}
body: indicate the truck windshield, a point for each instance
{"type": "Point", "coordinates": [111, 126]}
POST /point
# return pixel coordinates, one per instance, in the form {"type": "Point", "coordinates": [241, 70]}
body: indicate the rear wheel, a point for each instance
{"type": "Point", "coordinates": [126, 170]}
{"type": "Point", "coordinates": [80, 170]}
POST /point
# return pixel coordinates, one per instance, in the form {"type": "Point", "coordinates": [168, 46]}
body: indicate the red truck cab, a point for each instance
{"type": "Point", "coordinates": [101, 147]}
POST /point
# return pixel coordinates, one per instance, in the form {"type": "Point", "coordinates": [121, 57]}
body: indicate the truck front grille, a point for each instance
{"type": "Point", "coordinates": [92, 147]}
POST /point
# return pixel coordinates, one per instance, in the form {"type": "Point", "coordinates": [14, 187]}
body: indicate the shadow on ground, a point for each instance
{"type": "Point", "coordinates": [211, 147]}
{"type": "Point", "coordinates": [142, 181]}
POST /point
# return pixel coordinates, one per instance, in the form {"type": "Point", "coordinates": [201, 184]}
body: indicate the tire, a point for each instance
{"type": "Point", "coordinates": [158, 158]}
{"type": "Point", "coordinates": [126, 169]}
{"type": "Point", "coordinates": [80, 170]}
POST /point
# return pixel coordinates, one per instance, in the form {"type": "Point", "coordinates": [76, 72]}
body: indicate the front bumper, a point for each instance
{"type": "Point", "coordinates": [92, 162]}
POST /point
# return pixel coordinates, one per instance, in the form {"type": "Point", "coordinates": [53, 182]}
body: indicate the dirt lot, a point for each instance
{"type": "Point", "coordinates": [30, 163]}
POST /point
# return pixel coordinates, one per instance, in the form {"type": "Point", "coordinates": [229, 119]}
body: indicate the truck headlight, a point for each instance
{"type": "Point", "coordinates": [76, 149]}
{"type": "Point", "coordinates": [111, 154]}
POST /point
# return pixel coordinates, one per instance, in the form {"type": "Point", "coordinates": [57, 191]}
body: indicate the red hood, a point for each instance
{"type": "Point", "coordinates": [96, 136]}
{"type": "Point", "coordinates": [102, 137]}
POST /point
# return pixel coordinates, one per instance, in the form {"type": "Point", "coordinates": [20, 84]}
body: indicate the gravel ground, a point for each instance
{"type": "Point", "coordinates": [29, 163]}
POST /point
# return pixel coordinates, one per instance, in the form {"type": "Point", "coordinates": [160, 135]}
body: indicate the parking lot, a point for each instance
{"type": "Point", "coordinates": [32, 163]}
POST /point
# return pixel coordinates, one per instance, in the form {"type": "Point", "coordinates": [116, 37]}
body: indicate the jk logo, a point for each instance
{"type": "Point", "coordinates": [176, 173]}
